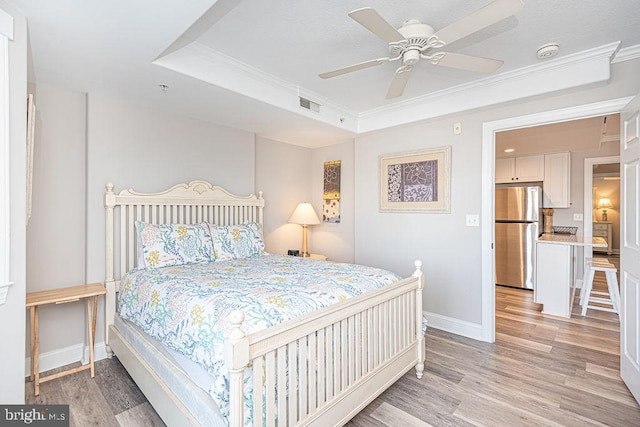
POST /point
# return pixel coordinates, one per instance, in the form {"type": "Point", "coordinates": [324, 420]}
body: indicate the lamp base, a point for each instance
{"type": "Point", "coordinates": [604, 216]}
{"type": "Point", "coordinates": [305, 254]}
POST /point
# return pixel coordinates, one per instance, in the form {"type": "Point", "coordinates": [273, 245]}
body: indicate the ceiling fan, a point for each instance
{"type": "Point", "coordinates": [414, 41]}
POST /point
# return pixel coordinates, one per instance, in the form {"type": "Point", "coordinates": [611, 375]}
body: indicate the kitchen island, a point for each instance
{"type": "Point", "coordinates": [556, 267]}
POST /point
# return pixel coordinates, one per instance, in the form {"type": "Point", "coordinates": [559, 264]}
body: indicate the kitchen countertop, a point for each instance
{"type": "Point", "coordinates": [572, 240]}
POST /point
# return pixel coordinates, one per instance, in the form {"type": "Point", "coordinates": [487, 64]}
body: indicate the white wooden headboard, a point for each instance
{"type": "Point", "coordinates": [197, 201]}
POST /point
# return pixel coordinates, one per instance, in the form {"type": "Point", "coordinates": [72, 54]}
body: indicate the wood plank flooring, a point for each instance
{"type": "Point", "coordinates": [541, 371]}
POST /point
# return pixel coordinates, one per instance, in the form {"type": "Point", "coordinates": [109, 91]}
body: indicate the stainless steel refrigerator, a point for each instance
{"type": "Point", "coordinates": [518, 210]}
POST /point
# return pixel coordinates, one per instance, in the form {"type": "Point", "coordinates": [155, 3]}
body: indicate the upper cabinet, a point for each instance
{"type": "Point", "coordinates": [520, 169]}
{"type": "Point", "coordinates": [557, 181]}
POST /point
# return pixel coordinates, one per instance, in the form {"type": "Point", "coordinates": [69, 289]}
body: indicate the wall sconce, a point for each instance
{"type": "Point", "coordinates": [604, 204]}
{"type": "Point", "coordinates": [304, 215]}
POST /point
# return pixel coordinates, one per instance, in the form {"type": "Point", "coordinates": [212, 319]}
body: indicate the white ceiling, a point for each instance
{"type": "Point", "coordinates": [111, 47]}
{"type": "Point", "coordinates": [575, 135]}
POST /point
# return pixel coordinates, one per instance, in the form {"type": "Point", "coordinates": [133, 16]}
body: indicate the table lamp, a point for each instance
{"type": "Point", "coordinates": [305, 216]}
{"type": "Point", "coordinates": [604, 204]}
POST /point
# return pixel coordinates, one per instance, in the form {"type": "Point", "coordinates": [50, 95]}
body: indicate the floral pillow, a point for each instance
{"type": "Point", "coordinates": [175, 244]}
{"type": "Point", "coordinates": [237, 241]}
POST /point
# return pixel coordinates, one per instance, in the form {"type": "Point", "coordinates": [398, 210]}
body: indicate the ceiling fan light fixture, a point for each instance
{"type": "Point", "coordinates": [547, 51]}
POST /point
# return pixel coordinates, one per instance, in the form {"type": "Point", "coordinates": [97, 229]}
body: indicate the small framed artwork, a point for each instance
{"type": "Point", "coordinates": [331, 196]}
{"type": "Point", "coordinates": [418, 181]}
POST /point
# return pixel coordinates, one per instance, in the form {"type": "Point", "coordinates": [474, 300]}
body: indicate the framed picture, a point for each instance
{"type": "Point", "coordinates": [418, 181]}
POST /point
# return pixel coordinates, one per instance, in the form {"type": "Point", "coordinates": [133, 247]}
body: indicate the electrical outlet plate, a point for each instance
{"type": "Point", "coordinates": [578, 217]}
{"type": "Point", "coordinates": [473, 220]}
{"type": "Point", "coordinates": [457, 128]}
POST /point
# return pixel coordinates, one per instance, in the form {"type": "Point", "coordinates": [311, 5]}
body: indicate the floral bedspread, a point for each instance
{"type": "Point", "coordinates": [187, 307]}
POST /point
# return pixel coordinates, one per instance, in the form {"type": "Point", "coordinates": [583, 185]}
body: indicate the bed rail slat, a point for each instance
{"type": "Point", "coordinates": [271, 388]}
{"type": "Point", "coordinates": [313, 380]}
{"type": "Point", "coordinates": [321, 395]}
{"type": "Point", "coordinates": [358, 343]}
{"type": "Point", "coordinates": [258, 391]}
{"type": "Point", "coordinates": [294, 390]}
{"type": "Point", "coordinates": [345, 354]}
{"type": "Point", "coordinates": [328, 360]}
{"type": "Point", "coordinates": [304, 372]}
{"type": "Point", "coordinates": [281, 383]}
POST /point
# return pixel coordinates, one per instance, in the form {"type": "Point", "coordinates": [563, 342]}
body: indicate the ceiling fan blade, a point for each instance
{"type": "Point", "coordinates": [466, 62]}
{"type": "Point", "coordinates": [399, 81]}
{"type": "Point", "coordinates": [490, 14]}
{"type": "Point", "coordinates": [372, 21]}
{"type": "Point", "coordinates": [355, 67]}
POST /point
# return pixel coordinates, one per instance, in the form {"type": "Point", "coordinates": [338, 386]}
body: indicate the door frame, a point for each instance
{"type": "Point", "coordinates": [489, 129]}
{"type": "Point", "coordinates": [588, 195]}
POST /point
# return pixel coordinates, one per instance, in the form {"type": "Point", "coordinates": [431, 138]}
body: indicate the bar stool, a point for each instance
{"type": "Point", "coordinates": [612, 297]}
{"type": "Point", "coordinates": [585, 277]}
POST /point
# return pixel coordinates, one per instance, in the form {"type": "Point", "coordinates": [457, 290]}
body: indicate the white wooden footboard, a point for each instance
{"type": "Point", "coordinates": [327, 366]}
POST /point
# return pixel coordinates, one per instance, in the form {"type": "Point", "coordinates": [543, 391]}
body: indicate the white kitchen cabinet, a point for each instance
{"type": "Point", "coordinates": [520, 169]}
{"type": "Point", "coordinates": [557, 180]}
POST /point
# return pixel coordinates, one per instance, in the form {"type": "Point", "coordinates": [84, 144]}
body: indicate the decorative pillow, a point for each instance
{"type": "Point", "coordinates": [139, 251]}
{"type": "Point", "coordinates": [237, 241]}
{"type": "Point", "coordinates": [175, 244]}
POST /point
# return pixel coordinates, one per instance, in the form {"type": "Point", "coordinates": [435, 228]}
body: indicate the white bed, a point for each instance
{"type": "Point", "coordinates": [380, 335]}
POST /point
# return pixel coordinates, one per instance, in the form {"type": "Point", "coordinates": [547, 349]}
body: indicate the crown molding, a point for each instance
{"type": "Point", "coordinates": [583, 68]}
{"type": "Point", "coordinates": [208, 65]}
{"type": "Point", "coordinates": [627, 54]}
{"type": "Point", "coordinates": [579, 69]}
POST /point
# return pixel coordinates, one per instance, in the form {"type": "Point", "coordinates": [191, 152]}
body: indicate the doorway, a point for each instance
{"type": "Point", "coordinates": [592, 212]}
{"type": "Point", "coordinates": [487, 332]}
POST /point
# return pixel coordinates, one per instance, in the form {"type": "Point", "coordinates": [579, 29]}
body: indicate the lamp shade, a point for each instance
{"type": "Point", "coordinates": [304, 215]}
{"type": "Point", "coordinates": [604, 203]}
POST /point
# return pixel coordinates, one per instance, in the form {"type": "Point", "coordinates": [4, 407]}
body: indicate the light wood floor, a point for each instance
{"type": "Point", "coordinates": [542, 371]}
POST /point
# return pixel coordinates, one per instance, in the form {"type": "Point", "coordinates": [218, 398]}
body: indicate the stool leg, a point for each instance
{"type": "Point", "coordinates": [614, 292]}
{"type": "Point", "coordinates": [586, 286]}
{"type": "Point", "coordinates": [585, 278]}
{"type": "Point", "coordinates": [587, 291]}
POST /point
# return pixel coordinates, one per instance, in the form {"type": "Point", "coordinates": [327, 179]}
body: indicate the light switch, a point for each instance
{"type": "Point", "coordinates": [473, 220]}
{"type": "Point", "coordinates": [457, 128]}
{"type": "Point", "coordinates": [577, 217]}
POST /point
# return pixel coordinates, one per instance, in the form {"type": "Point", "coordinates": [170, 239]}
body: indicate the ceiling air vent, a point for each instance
{"type": "Point", "coordinates": [309, 105]}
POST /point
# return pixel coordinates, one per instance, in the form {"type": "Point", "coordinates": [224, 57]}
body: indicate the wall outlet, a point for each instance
{"type": "Point", "coordinates": [578, 217]}
{"type": "Point", "coordinates": [473, 220]}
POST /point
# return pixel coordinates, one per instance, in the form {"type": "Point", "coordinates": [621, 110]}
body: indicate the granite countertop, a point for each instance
{"type": "Point", "coordinates": [573, 240]}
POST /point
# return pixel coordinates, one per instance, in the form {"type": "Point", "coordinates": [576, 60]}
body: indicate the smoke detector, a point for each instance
{"type": "Point", "coordinates": [548, 50]}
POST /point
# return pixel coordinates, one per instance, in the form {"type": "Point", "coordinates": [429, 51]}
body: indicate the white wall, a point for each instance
{"type": "Point", "coordinates": [12, 313]}
{"type": "Point", "coordinates": [450, 251]}
{"type": "Point", "coordinates": [336, 241]}
{"type": "Point", "coordinates": [150, 150]}
{"type": "Point", "coordinates": [56, 230]}
{"type": "Point", "coordinates": [283, 175]}
{"type": "Point", "coordinates": [288, 175]}
{"type": "Point", "coordinates": [84, 141]}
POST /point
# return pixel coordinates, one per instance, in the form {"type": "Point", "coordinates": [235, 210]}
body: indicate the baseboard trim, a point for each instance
{"type": "Point", "coordinates": [64, 356]}
{"type": "Point", "coordinates": [455, 326]}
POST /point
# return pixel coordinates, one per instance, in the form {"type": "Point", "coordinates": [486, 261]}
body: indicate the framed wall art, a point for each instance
{"type": "Point", "coordinates": [418, 181]}
{"type": "Point", "coordinates": [331, 195]}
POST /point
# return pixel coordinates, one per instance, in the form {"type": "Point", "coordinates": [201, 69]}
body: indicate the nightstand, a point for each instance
{"type": "Point", "coordinates": [604, 230]}
{"type": "Point", "coordinates": [62, 296]}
